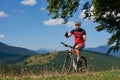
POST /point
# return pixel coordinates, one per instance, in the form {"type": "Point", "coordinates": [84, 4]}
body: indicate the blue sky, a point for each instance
{"type": "Point", "coordinates": [25, 23]}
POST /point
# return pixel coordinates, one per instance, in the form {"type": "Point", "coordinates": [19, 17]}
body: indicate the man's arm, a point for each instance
{"type": "Point", "coordinates": [67, 35]}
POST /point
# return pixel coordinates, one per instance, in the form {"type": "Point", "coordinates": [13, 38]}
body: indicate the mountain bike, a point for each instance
{"type": "Point", "coordinates": [70, 63]}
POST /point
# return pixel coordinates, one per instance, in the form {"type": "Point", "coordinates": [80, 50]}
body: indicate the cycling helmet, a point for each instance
{"type": "Point", "coordinates": [77, 23]}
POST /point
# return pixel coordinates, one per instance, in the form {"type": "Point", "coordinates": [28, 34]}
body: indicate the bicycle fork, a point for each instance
{"type": "Point", "coordinates": [73, 62]}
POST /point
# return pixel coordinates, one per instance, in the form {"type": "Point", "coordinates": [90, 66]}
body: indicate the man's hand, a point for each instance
{"type": "Point", "coordinates": [84, 37]}
{"type": "Point", "coordinates": [66, 34]}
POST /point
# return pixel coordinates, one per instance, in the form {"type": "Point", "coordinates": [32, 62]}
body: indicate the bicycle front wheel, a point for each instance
{"type": "Point", "coordinates": [68, 64]}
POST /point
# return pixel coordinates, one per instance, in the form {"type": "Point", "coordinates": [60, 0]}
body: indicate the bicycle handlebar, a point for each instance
{"type": "Point", "coordinates": [66, 45]}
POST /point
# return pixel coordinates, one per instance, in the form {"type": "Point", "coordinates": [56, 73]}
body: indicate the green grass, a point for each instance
{"type": "Point", "coordinates": [103, 75]}
{"type": "Point", "coordinates": [40, 59]}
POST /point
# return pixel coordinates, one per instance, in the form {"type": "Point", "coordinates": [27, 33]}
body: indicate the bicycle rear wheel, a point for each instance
{"type": "Point", "coordinates": [83, 65]}
{"type": "Point", "coordinates": [68, 64]}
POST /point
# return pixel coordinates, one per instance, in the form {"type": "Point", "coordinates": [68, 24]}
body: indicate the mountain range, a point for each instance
{"type": "Point", "coordinates": [15, 50]}
{"type": "Point", "coordinates": [44, 50]}
{"type": "Point", "coordinates": [14, 54]}
{"type": "Point", "coordinates": [103, 49]}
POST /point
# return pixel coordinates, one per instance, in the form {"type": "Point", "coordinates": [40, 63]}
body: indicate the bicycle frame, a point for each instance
{"type": "Point", "coordinates": [71, 47]}
{"type": "Point", "coordinates": [71, 58]}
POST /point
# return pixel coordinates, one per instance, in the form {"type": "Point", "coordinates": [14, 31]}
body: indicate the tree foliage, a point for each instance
{"type": "Point", "coordinates": [62, 8]}
{"type": "Point", "coordinates": [105, 12]}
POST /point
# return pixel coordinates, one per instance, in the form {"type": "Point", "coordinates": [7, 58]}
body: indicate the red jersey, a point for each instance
{"type": "Point", "coordinates": [78, 34]}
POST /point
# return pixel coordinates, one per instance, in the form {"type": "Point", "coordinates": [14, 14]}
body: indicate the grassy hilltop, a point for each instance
{"type": "Point", "coordinates": [54, 61]}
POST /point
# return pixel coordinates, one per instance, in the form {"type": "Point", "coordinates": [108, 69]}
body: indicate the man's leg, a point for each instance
{"type": "Point", "coordinates": [77, 52]}
{"type": "Point", "coordinates": [79, 62]}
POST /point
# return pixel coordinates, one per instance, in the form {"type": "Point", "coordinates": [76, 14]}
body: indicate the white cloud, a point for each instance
{"type": "Point", "coordinates": [53, 22]}
{"type": "Point", "coordinates": [3, 14]}
{"type": "Point", "coordinates": [92, 8]}
{"type": "Point", "coordinates": [106, 13]}
{"type": "Point", "coordinates": [70, 24]}
{"type": "Point", "coordinates": [118, 14]}
{"type": "Point", "coordinates": [43, 8]}
{"type": "Point", "coordinates": [82, 14]}
{"type": "Point", "coordinates": [29, 2]}
{"type": "Point", "coordinates": [92, 17]}
{"type": "Point", "coordinates": [2, 36]}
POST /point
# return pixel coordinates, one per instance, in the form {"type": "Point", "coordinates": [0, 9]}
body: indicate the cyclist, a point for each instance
{"type": "Point", "coordinates": [80, 38]}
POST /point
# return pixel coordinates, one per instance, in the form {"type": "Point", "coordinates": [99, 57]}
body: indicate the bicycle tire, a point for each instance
{"type": "Point", "coordinates": [67, 66]}
{"type": "Point", "coordinates": [83, 65]}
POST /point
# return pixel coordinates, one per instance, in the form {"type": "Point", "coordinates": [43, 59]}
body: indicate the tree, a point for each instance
{"type": "Point", "coordinates": [105, 12]}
